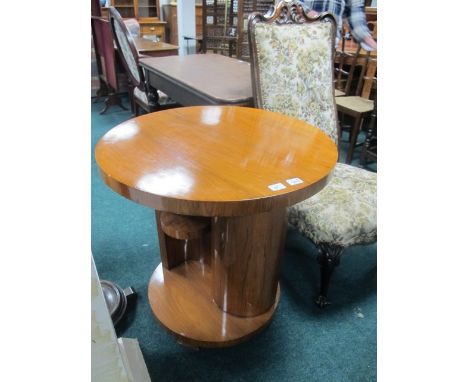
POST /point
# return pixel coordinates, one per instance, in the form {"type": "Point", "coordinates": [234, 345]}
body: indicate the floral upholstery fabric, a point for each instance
{"type": "Point", "coordinates": [344, 213]}
{"type": "Point", "coordinates": [296, 76]}
{"type": "Point", "coordinates": [128, 55]}
{"type": "Point", "coordinates": [141, 95]}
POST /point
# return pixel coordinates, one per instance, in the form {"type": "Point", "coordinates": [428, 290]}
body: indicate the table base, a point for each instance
{"type": "Point", "coordinates": [181, 299]}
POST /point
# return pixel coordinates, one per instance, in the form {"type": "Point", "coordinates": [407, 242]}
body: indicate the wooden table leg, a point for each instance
{"type": "Point", "coordinates": [222, 294]}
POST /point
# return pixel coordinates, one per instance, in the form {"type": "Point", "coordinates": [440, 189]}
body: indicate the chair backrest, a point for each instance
{"type": "Point", "coordinates": [361, 77]}
{"type": "Point", "coordinates": [356, 68]}
{"type": "Point", "coordinates": [133, 27]}
{"type": "Point", "coordinates": [343, 57]}
{"type": "Point", "coordinates": [367, 84]}
{"type": "Point", "coordinates": [292, 64]}
{"type": "Point", "coordinates": [126, 47]}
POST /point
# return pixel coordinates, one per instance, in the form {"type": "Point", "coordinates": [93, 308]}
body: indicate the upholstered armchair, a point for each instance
{"type": "Point", "coordinates": [292, 73]}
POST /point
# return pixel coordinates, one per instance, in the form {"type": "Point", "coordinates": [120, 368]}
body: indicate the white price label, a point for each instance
{"type": "Point", "coordinates": [276, 186]}
{"type": "Point", "coordinates": [294, 181]}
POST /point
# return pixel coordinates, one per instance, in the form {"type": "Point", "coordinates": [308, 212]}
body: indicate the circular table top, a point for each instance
{"type": "Point", "coordinates": [215, 160]}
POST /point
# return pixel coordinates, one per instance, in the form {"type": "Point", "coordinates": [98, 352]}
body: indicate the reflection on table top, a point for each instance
{"type": "Point", "coordinates": [214, 154]}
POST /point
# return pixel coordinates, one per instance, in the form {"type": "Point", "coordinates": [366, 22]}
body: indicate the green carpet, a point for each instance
{"type": "Point", "coordinates": [303, 343]}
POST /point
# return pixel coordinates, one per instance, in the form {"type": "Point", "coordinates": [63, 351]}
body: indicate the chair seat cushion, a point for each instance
{"type": "Point", "coordinates": [142, 97]}
{"type": "Point", "coordinates": [354, 103]}
{"type": "Point", "coordinates": [344, 213]}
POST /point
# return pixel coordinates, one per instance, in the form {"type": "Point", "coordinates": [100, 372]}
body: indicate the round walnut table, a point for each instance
{"type": "Point", "coordinates": [220, 179]}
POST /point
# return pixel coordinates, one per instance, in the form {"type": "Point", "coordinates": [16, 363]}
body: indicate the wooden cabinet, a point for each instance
{"type": "Point", "coordinates": [146, 12]}
{"type": "Point", "coordinates": [199, 20]}
{"type": "Point", "coordinates": [137, 8]}
{"type": "Point", "coordinates": [149, 26]}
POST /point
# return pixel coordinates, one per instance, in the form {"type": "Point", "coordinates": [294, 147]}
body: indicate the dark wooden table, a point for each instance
{"type": "Point", "coordinates": [201, 79]}
{"type": "Point", "coordinates": [228, 173]}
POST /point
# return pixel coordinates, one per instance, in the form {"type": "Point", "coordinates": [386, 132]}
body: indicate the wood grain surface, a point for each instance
{"type": "Point", "coordinates": [217, 284]}
{"type": "Point", "coordinates": [246, 254]}
{"type": "Point", "coordinates": [181, 301]}
{"type": "Point", "coordinates": [154, 48]}
{"type": "Point", "coordinates": [183, 227]}
{"type": "Point", "coordinates": [215, 160]}
{"type": "Point", "coordinates": [174, 251]}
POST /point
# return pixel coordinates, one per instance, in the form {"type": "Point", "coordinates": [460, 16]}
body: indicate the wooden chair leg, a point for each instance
{"type": "Point", "coordinates": [367, 142]}
{"type": "Point", "coordinates": [328, 258]}
{"type": "Point", "coordinates": [363, 159]}
{"type": "Point", "coordinates": [352, 142]}
{"type": "Point", "coordinates": [370, 137]}
{"type": "Point", "coordinates": [136, 108]}
{"type": "Point", "coordinates": [102, 91]}
{"type": "Point", "coordinates": [130, 89]}
{"type": "Point", "coordinates": [112, 99]}
{"type": "Point", "coordinates": [132, 105]}
{"type": "Point", "coordinates": [340, 125]}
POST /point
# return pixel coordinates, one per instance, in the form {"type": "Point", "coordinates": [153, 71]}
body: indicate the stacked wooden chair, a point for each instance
{"type": "Point", "coordinates": [358, 101]}
{"type": "Point", "coordinates": [292, 72]}
{"type": "Point", "coordinates": [342, 57]}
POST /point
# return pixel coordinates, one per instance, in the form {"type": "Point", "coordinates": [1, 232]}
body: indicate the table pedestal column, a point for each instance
{"type": "Point", "coordinates": [246, 253]}
{"type": "Point", "coordinates": [223, 293]}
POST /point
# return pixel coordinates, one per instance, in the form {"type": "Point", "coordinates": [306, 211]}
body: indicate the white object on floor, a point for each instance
{"type": "Point", "coordinates": [112, 359]}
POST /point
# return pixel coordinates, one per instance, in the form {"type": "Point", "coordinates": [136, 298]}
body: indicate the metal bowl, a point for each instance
{"type": "Point", "coordinates": [116, 299]}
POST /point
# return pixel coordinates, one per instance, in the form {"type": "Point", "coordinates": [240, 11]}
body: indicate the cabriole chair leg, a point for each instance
{"type": "Point", "coordinates": [355, 129]}
{"type": "Point", "coordinates": [328, 258]}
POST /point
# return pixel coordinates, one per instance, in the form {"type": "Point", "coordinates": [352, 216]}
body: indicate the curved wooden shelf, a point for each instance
{"type": "Point", "coordinates": [182, 227]}
{"type": "Point", "coordinates": [181, 301]}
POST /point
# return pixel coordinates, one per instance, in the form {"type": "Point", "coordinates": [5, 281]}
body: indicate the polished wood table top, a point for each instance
{"type": "Point", "coordinates": [214, 160]}
{"type": "Point", "coordinates": [201, 79]}
{"type": "Point", "coordinates": [220, 179]}
{"type": "Point", "coordinates": [154, 48]}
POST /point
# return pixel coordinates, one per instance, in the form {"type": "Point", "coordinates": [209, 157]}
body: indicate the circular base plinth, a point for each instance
{"type": "Point", "coordinates": [182, 301]}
